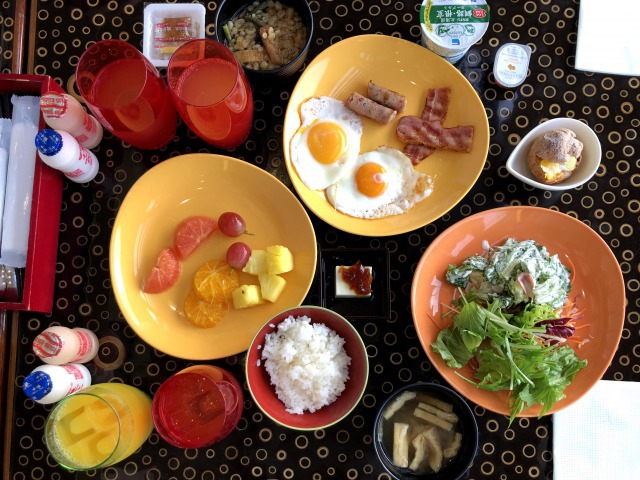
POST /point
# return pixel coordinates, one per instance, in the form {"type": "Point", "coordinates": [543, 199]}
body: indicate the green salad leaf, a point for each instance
{"type": "Point", "coordinates": [510, 352]}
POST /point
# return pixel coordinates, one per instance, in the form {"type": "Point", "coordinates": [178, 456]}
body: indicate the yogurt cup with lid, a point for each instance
{"type": "Point", "coordinates": [450, 27]}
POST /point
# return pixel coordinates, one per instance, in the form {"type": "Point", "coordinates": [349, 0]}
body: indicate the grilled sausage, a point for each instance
{"type": "Point", "coordinates": [366, 107]}
{"type": "Point", "coordinates": [393, 100]}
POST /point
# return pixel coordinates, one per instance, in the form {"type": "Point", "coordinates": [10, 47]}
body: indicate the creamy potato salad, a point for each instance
{"type": "Point", "coordinates": [514, 273]}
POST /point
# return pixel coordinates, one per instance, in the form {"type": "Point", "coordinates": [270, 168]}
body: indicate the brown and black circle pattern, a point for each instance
{"type": "Point", "coordinates": [258, 448]}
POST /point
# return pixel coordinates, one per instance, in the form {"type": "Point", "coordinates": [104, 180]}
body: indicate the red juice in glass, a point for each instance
{"type": "Point", "coordinates": [126, 94]}
{"type": "Point", "coordinates": [197, 407]}
{"type": "Point", "coordinates": [211, 93]}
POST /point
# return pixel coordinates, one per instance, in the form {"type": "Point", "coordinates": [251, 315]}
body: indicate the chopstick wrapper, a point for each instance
{"type": "Point", "coordinates": [599, 435]}
{"type": "Point", "coordinates": [608, 37]}
{"type": "Point", "coordinates": [20, 175]}
{"type": "Point", "coordinates": [5, 140]}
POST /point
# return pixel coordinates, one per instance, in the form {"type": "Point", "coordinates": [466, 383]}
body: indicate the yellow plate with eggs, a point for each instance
{"type": "Point", "coordinates": [204, 184]}
{"type": "Point", "coordinates": [406, 68]}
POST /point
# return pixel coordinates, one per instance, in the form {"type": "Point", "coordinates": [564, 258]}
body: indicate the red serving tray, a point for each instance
{"type": "Point", "coordinates": [39, 277]}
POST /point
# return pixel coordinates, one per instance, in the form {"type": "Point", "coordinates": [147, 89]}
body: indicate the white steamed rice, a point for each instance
{"type": "Point", "coordinates": [307, 363]}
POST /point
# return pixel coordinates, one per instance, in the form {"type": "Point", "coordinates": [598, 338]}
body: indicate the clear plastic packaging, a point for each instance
{"type": "Point", "coordinates": [20, 175]}
{"type": "Point", "coordinates": [167, 26]}
{"type": "Point", "coordinates": [5, 142]}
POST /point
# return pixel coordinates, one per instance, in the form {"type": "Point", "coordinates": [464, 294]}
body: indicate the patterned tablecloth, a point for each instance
{"type": "Point", "coordinates": [258, 448]}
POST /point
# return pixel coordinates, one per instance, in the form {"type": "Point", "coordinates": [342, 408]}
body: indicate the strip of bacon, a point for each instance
{"type": "Point", "coordinates": [417, 153]}
{"type": "Point", "coordinates": [435, 110]}
{"type": "Point", "coordinates": [412, 129]}
{"type": "Point", "coordinates": [437, 104]}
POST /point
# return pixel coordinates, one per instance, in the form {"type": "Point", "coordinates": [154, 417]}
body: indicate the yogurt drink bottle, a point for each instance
{"type": "Point", "coordinates": [51, 383]}
{"type": "Point", "coordinates": [58, 345]}
{"type": "Point", "coordinates": [61, 111]}
{"type": "Point", "coordinates": [61, 151]}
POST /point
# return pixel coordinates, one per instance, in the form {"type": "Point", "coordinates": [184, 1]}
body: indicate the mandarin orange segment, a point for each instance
{"type": "Point", "coordinates": [203, 314]}
{"type": "Point", "coordinates": [214, 281]}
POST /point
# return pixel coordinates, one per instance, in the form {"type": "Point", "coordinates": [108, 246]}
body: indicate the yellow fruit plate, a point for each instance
{"type": "Point", "coordinates": [204, 184]}
{"type": "Point", "coordinates": [410, 69]}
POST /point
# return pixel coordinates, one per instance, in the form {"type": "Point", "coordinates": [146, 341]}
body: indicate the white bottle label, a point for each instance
{"type": "Point", "coordinates": [89, 127]}
{"type": "Point", "coordinates": [78, 378]}
{"type": "Point", "coordinates": [85, 344]}
{"type": "Point", "coordinates": [86, 159]}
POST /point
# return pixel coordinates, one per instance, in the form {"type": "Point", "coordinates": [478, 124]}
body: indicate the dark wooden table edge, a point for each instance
{"type": "Point", "coordinates": [8, 323]}
{"type": "Point", "coordinates": [8, 319]}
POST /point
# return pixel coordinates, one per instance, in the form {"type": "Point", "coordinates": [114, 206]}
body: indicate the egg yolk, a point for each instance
{"type": "Point", "coordinates": [370, 179]}
{"type": "Point", "coordinates": [326, 142]}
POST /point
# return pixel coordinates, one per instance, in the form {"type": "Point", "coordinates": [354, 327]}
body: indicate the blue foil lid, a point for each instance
{"type": "Point", "coordinates": [37, 385]}
{"type": "Point", "coordinates": [48, 141]}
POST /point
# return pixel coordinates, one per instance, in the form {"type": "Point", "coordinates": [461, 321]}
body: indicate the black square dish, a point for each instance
{"type": "Point", "coordinates": [378, 305]}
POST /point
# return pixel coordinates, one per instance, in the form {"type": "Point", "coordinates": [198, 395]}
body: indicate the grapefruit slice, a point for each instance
{"type": "Point", "coordinates": [191, 232]}
{"type": "Point", "coordinates": [165, 272]}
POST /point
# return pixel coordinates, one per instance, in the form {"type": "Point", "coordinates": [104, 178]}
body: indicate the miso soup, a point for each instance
{"type": "Point", "coordinates": [420, 432]}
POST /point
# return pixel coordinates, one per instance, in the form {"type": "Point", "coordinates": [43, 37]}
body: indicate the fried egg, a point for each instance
{"type": "Point", "coordinates": [327, 143]}
{"type": "Point", "coordinates": [382, 182]}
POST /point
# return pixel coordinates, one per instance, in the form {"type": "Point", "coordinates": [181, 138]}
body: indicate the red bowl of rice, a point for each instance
{"type": "Point", "coordinates": [307, 368]}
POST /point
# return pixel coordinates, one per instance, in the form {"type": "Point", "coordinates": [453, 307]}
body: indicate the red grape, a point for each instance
{"type": "Point", "coordinates": [238, 254]}
{"type": "Point", "coordinates": [232, 224]}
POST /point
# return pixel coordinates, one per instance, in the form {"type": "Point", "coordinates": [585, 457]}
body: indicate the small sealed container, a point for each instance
{"type": "Point", "coordinates": [450, 27]}
{"type": "Point", "coordinates": [167, 26]}
{"type": "Point", "coordinates": [511, 64]}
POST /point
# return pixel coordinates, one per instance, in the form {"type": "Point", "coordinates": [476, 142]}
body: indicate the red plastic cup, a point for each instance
{"type": "Point", "coordinates": [197, 407]}
{"type": "Point", "coordinates": [125, 92]}
{"type": "Point", "coordinates": [211, 92]}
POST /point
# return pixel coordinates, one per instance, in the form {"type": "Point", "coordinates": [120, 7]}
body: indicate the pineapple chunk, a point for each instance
{"type": "Point", "coordinates": [257, 263]}
{"type": "Point", "coordinates": [279, 260]}
{"type": "Point", "coordinates": [271, 286]}
{"type": "Point", "coordinates": [246, 296]}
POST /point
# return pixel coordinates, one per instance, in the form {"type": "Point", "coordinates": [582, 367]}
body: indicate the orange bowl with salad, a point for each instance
{"type": "Point", "coordinates": [572, 341]}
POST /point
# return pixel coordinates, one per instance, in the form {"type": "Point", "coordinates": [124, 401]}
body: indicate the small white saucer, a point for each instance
{"type": "Point", "coordinates": [591, 154]}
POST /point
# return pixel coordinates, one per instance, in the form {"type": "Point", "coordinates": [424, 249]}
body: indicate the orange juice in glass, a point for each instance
{"type": "Point", "coordinates": [98, 426]}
